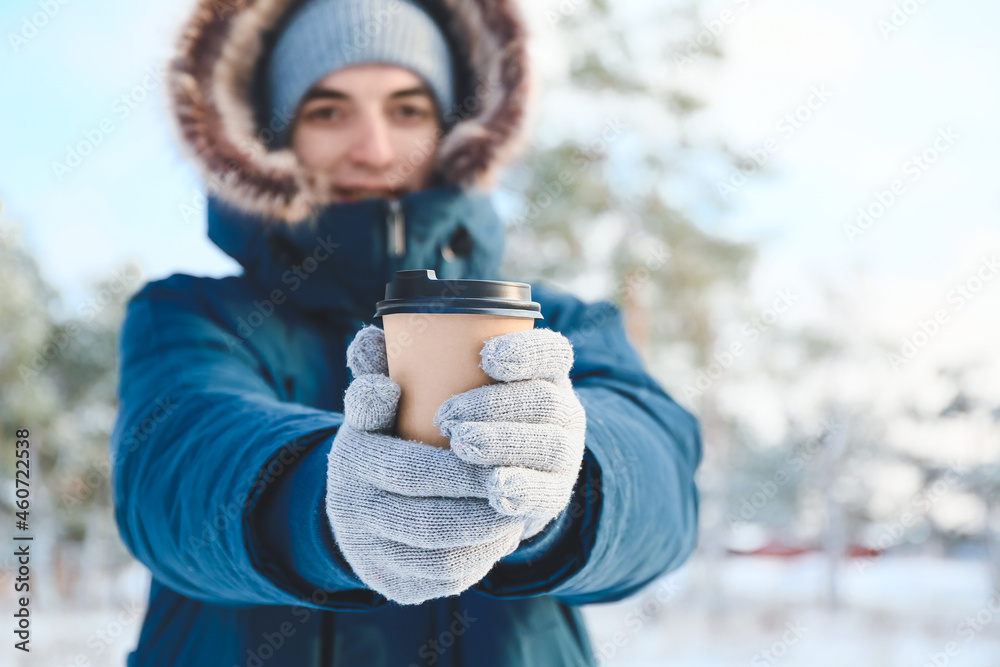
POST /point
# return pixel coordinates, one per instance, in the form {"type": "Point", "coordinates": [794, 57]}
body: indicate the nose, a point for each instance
{"type": "Point", "coordinates": [371, 146]}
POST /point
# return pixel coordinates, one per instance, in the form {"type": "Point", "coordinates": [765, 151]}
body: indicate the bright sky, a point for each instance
{"type": "Point", "coordinates": [888, 98]}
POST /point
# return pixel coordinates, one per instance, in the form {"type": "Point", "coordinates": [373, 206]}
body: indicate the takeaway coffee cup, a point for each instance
{"type": "Point", "coordinates": [434, 332]}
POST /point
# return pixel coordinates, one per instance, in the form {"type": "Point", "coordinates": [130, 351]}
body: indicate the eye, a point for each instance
{"type": "Point", "coordinates": [322, 113]}
{"type": "Point", "coordinates": [412, 112]}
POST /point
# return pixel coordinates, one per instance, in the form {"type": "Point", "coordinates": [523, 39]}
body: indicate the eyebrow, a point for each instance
{"type": "Point", "coordinates": [331, 93]}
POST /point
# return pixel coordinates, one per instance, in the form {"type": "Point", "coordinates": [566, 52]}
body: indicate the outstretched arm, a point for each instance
{"type": "Point", "coordinates": [202, 437]}
{"type": "Point", "coordinates": [634, 511]}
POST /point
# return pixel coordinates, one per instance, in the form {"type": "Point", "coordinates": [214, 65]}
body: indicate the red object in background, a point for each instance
{"type": "Point", "coordinates": [775, 547]}
{"type": "Point", "coordinates": [780, 548]}
{"type": "Point", "coordinates": [858, 551]}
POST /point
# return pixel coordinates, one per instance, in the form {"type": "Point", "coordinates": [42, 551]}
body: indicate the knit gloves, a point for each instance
{"type": "Point", "coordinates": [417, 522]}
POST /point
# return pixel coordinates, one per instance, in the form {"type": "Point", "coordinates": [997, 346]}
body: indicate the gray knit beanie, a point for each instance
{"type": "Point", "coordinates": [326, 35]}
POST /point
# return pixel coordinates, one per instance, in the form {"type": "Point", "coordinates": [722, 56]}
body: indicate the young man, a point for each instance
{"type": "Point", "coordinates": [343, 140]}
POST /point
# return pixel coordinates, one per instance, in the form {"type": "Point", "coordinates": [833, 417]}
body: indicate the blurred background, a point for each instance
{"type": "Point", "coordinates": [795, 203]}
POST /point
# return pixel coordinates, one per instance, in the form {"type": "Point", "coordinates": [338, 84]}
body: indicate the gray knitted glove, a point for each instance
{"type": "Point", "coordinates": [529, 427]}
{"type": "Point", "coordinates": [412, 520]}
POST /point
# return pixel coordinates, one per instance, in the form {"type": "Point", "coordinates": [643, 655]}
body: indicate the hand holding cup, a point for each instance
{"type": "Point", "coordinates": [528, 428]}
{"type": "Point", "coordinates": [413, 521]}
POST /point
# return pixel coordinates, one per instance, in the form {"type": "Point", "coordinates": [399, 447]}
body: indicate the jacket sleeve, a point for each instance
{"type": "Point", "coordinates": [218, 484]}
{"type": "Point", "coordinates": [633, 515]}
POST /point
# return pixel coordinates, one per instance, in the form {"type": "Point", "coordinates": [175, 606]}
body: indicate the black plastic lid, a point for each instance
{"type": "Point", "coordinates": [420, 291]}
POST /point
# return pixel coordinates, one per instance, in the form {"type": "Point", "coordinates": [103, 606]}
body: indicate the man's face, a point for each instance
{"type": "Point", "coordinates": [371, 129]}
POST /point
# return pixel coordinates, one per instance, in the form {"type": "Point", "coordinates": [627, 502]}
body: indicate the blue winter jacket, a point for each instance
{"type": "Point", "coordinates": [231, 390]}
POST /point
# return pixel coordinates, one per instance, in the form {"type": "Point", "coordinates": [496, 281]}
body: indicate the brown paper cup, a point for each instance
{"type": "Point", "coordinates": [434, 356]}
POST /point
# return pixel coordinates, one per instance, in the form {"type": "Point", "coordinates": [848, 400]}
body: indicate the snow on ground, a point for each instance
{"type": "Point", "coordinates": [761, 611]}
{"type": "Point", "coordinates": [95, 637]}
{"type": "Point", "coordinates": [748, 610]}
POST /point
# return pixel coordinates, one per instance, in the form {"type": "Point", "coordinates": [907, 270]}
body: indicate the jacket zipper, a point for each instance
{"type": "Point", "coordinates": [395, 229]}
{"type": "Point", "coordinates": [454, 605]}
{"type": "Point", "coordinates": [326, 639]}
{"type": "Point", "coordinates": [396, 246]}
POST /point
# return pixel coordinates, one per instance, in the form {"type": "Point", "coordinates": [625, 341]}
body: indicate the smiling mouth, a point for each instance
{"type": "Point", "coordinates": [356, 194]}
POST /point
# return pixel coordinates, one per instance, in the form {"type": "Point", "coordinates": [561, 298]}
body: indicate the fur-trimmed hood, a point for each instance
{"type": "Point", "coordinates": [215, 84]}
